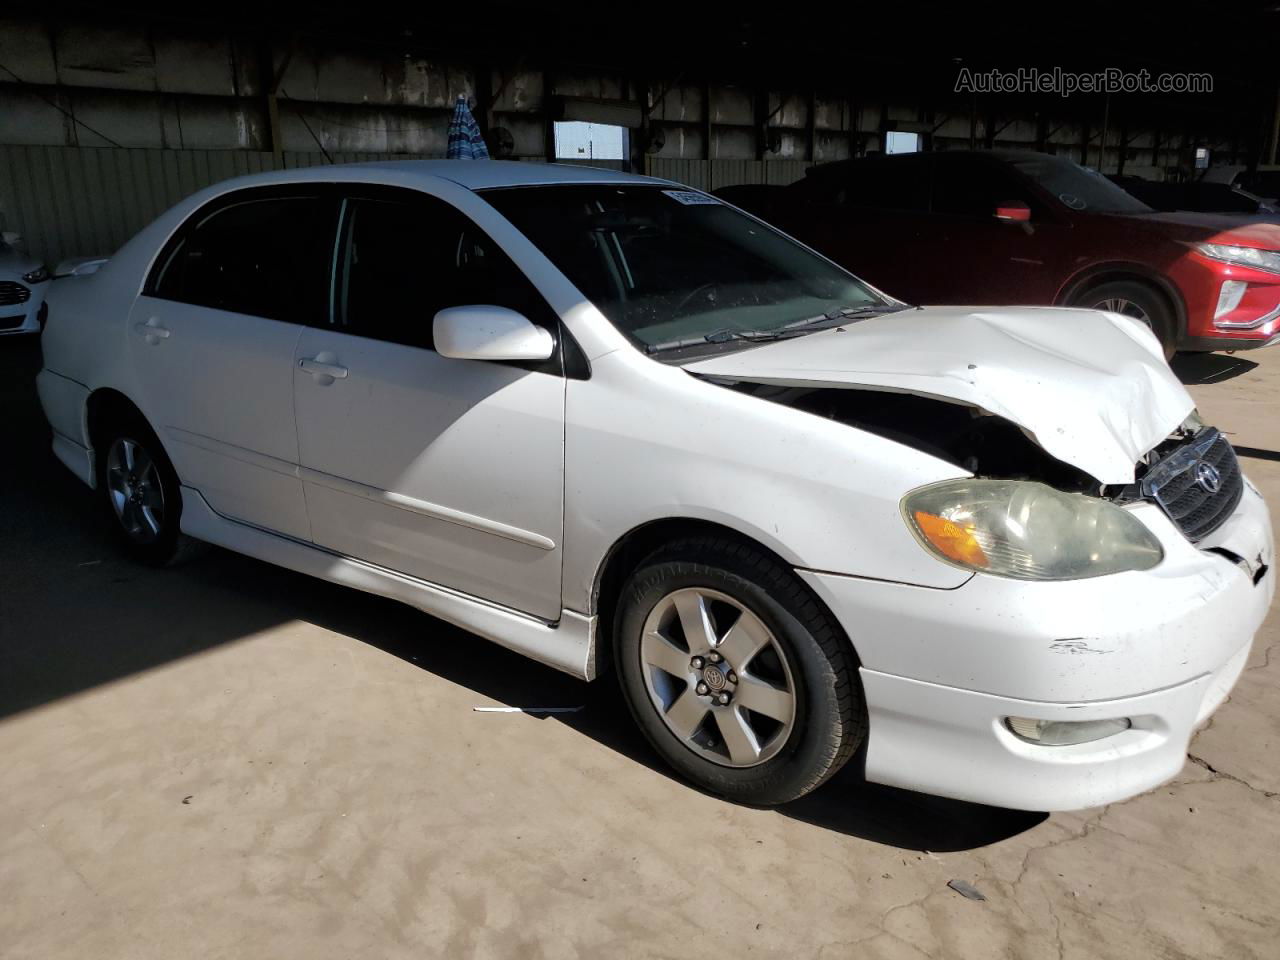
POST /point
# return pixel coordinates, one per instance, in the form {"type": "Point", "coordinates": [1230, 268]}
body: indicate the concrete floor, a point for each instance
{"type": "Point", "coordinates": [229, 760]}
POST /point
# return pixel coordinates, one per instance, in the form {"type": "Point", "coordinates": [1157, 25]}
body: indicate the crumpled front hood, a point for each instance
{"type": "Point", "coordinates": [1091, 388]}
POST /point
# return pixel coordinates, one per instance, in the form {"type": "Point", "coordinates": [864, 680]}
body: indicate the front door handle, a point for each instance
{"type": "Point", "coordinates": [153, 331]}
{"type": "Point", "coordinates": [323, 369]}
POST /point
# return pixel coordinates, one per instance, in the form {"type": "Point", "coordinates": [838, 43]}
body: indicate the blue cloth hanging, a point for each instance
{"type": "Point", "coordinates": [465, 141]}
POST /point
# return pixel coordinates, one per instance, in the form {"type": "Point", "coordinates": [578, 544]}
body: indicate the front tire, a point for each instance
{"type": "Point", "coordinates": [735, 673]}
{"type": "Point", "coordinates": [139, 491]}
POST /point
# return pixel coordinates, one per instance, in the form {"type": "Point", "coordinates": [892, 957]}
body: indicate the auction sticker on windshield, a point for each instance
{"type": "Point", "coordinates": [689, 198]}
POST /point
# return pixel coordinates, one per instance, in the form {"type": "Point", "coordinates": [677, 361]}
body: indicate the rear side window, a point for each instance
{"type": "Point", "coordinates": [897, 184]}
{"type": "Point", "coordinates": [267, 257]}
{"type": "Point", "coordinates": [401, 261]}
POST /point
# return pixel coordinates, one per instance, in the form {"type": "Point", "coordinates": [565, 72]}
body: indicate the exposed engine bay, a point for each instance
{"type": "Point", "coordinates": [978, 442]}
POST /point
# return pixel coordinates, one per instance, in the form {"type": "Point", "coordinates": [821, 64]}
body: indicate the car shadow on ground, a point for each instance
{"type": "Point", "coordinates": [1256, 453]}
{"type": "Point", "coordinates": [74, 614]}
{"type": "Point", "coordinates": [847, 804]}
{"type": "Point", "coordinates": [1199, 368]}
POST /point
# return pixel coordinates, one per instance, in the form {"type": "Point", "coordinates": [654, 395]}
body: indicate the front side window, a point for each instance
{"type": "Point", "coordinates": [266, 257]}
{"type": "Point", "coordinates": [402, 261]}
{"type": "Point", "coordinates": [965, 186]}
{"type": "Point", "coordinates": [671, 268]}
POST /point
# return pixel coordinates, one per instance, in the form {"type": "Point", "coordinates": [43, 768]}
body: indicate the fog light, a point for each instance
{"type": "Point", "coordinates": [1229, 297]}
{"type": "Point", "coordinates": [1061, 733]}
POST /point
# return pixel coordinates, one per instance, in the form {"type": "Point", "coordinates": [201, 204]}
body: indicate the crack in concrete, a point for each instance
{"type": "Point", "coordinates": [1089, 826]}
{"type": "Point", "coordinates": [1266, 659]}
{"type": "Point", "coordinates": [1057, 934]}
{"type": "Point", "coordinates": [884, 917]}
{"type": "Point", "coordinates": [1216, 774]}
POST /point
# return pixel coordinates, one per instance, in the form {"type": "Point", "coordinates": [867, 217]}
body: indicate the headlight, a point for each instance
{"type": "Point", "coordinates": [1028, 531]}
{"type": "Point", "coordinates": [38, 275]}
{"type": "Point", "coordinates": [1268, 260]}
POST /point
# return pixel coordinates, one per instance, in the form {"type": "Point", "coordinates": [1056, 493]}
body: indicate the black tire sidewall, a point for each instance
{"type": "Point", "coordinates": [161, 550]}
{"type": "Point", "coordinates": [803, 759]}
{"type": "Point", "coordinates": [1149, 299]}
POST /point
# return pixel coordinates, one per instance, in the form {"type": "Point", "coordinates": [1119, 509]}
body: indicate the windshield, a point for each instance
{"type": "Point", "coordinates": [670, 266]}
{"type": "Point", "coordinates": [1076, 186]}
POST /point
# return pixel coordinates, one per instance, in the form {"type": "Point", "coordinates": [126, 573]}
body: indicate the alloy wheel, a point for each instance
{"type": "Point", "coordinates": [717, 677]}
{"type": "Point", "coordinates": [135, 491]}
{"type": "Point", "coordinates": [1125, 307]}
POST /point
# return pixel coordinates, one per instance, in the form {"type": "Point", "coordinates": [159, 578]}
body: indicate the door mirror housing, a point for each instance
{"type": "Point", "coordinates": [487, 332]}
{"type": "Point", "coordinates": [1013, 212]}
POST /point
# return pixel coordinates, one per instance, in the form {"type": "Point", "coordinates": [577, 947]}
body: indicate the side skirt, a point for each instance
{"type": "Point", "coordinates": [568, 645]}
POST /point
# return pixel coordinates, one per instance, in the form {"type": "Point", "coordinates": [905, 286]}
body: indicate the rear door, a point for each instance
{"type": "Point", "coordinates": [450, 471]}
{"type": "Point", "coordinates": [213, 337]}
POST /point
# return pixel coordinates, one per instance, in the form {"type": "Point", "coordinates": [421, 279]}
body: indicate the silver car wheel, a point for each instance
{"type": "Point", "coordinates": [717, 677]}
{"type": "Point", "coordinates": [1124, 307]}
{"type": "Point", "coordinates": [135, 491]}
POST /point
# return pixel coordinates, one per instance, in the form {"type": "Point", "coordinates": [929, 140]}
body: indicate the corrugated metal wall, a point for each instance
{"type": "Point", "coordinates": [84, 201]}
{"type": "Point", "coordinates": [712, 174]}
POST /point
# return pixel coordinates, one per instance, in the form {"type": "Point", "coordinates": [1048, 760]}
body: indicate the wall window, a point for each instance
{"type": "Point", "coordinates": [579, 140]}
{"type": "Point", "coordinates": [897, 141]}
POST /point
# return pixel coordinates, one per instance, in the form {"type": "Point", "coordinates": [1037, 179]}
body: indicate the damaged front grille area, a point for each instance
{"type": "Point", "coordinates": [1197, 484]}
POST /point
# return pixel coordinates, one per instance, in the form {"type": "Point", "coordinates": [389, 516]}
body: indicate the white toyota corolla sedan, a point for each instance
{"type": "Point", "coordinates": [615, 424]}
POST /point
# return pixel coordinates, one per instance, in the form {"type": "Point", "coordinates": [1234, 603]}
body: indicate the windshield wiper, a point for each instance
{"type": "Point", "coordinates": [785, 332]}
{"type": "Point", "coordinates": [718, 336]}
{"type": "Point", "coordinates": [842, 314]}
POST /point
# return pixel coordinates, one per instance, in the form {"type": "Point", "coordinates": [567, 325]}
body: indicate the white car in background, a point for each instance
{"type": "Point", "coordinates": [613, 423]}
{"type": "Point", "coordinates": [23, 282]}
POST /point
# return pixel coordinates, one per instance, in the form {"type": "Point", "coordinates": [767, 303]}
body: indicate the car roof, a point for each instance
{"type": "Point", "coordinates": [875, 158]}
{"type": "Point", "coordinates": [471, 174]}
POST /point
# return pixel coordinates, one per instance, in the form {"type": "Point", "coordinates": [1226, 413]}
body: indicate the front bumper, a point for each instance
{"type": "Point", "coordinates": [941, 669]}
{"type": "Point", "coordinates": [25, 317]}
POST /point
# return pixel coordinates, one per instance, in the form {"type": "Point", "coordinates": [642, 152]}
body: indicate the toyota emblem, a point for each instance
{"type": "Point", "coordinates": [1208, 477]}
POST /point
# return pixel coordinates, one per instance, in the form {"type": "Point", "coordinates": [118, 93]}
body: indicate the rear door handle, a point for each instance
{"type": "Point", "coordinates": [153, 330]}
{"type": "Point", "coordinates": [324, 371]}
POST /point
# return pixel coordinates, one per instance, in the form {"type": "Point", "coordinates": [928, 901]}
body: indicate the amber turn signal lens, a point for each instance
{"type": "Point", "coordinates": [951, 540]}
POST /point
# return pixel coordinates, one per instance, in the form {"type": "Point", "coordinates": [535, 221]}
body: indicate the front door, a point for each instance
{"type": "Point", "coordinates": [213, 339]}
{"type": "Point", "coordinates": [974, 258]}
{"type": "Point", "coordinates": [450, 471]}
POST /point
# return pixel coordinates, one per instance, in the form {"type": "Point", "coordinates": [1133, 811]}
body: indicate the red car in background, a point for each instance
{"type": "Point", "coordinates": [1002, 228]}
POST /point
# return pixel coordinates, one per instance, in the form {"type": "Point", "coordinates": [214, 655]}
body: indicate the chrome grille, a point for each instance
{"type": "Point", "coordinates": [12, 293]}
{"type": "Point", "coordinates": [1182, 484]}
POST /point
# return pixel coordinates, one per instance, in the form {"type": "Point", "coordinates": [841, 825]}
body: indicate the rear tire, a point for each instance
{"type": "Point", "coordinates": [793, 712]}
{"type": "Point", "coordinates": [1139, 301]}
{"type": "Point", "coordinates": [139, 490]}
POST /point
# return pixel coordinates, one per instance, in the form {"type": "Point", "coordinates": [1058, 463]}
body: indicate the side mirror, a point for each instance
{"type": "Point", "coordinates": [79, 267]}
{"type": "Point", "coordinates": [485, 332]}
{"type": "Point", "coordinates": [1013, 212]}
